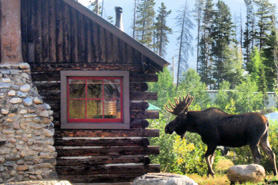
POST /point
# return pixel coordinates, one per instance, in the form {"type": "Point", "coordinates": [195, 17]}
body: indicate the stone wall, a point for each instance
{"type": "Point", "coordinates": [26, 128]}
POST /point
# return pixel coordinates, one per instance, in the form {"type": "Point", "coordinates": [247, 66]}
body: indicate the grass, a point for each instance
{"type": "Point", "coordinates": [221, 178]}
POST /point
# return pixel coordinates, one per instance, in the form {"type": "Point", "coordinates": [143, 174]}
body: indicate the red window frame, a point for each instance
{"type": "Point", "coordinates": [98, 120]}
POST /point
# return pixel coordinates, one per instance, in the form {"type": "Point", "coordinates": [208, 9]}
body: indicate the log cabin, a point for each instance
{"type": "Point", "coordinates": [94, 77]}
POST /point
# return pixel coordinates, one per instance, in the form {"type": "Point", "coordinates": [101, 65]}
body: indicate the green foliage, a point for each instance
{"type": "Point", "coordinates": [164, 87]}
{"type": "Point", "coordinates": [233, 65]}
{"type": "Point", "coordinates": [191, 84]}
{"type": "Point", "coordinates": [244, 98]}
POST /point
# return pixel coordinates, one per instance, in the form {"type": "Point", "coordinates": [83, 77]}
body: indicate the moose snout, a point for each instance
{"type": "Point", "coordinates": [168, 130]}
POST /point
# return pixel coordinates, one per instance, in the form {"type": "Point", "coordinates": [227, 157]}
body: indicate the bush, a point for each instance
{"type": "Point", "coordinates": [178, 155]}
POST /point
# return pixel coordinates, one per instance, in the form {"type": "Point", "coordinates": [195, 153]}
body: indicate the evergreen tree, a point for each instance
{"type": "Point", "coordinates": [222, 31]}
{"type": "Point", "coordinates": [185, 38]}
{"type": "Point", "coordinates": [162, 30]}
{"type": "Point", "coordinates": [205, 60]}
{"type": "Point", "coordinates": [248, 33]}
{"type": "Point", "coordinates": [144, 25]}
{"type": "Point", "coordinates": [270, 59]}
{"type": "Point", "coordinates": [264, 24]}
{"type": "Point", "coordinates": [199, 6]}
{"type": "Point", "coordinates": [233, 65]}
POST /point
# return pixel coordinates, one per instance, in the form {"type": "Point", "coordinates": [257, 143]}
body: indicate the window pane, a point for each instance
{"type": "Point", "coordinates": [94, 109]}
{"type": "Point", "coordinates": [77, 88]}
{"type": "Point", "coordinates": [112, 88]}
{"type": "Point", "coordinates": [112, 109]}
{"type": "Point", "coordinates": [77, 109]}
{"type": "Point", "coordinates": [94, 88]}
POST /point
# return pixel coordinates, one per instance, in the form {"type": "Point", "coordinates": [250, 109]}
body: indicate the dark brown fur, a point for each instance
{"type": "Point", "coordinates": [218, 128]}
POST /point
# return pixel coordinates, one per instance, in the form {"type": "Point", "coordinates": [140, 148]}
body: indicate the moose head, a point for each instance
{"type": "Point", "coordinates": [179, 124]}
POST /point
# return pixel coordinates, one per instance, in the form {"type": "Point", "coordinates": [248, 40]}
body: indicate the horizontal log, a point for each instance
{"type": "Point", "coordinates": [139, 123]}
{"type": "Point", "coordinates": [120, 179]}
{"type": "Point", "coordinates": [145, 114]}
{"type": "Point", "coordinates": [100, 160]}
{"type": "Point", "coordinates": [107, 169]}
{"type": "Point", "coordinates": [139, 106]}
{"type": "Point", "coordinates": [39, 67]}
{"type": "Point", "coordinates": [143, 78]}
{"type": "Point", "coordinates": [45, 85]}
{"type": "Point", "coordinates": [108, 133]}
{"type": "Point", "coordinates": [101, 142]}
{"type": "Point", "coordinates": [136, 95]}
{"type": "Point", "coordinates": [42, 86]}
{"type": "Point", "coordinates": [99, 151]}
{"type": "Point", "coordinates": [138, 86]}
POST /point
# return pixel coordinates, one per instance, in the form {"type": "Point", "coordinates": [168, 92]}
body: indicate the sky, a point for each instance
{"type": "Point", "coordinates": [236, 6]}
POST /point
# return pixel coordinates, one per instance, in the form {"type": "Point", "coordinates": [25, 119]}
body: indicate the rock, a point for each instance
{"type": "Point", "coordinates": [12, 93]}
{"type": "Point", "coordinates": [38, 100]}
{"type": "Point", "coordinates": [4, 85]}
{"type": "Point", "coordinates": [15, 100]}
{"type": "Point", "coordinates": [6, 80]}
{"type": "Point", "coordinates": [5, 111]}
{"type": "Point", "coordinates": [21, 94]}
{"type": "Point", "coordinates": [24, 66]}
{"type": "Point", "coordinates": [25, 88]}
{"type": "Point", "coordinates": [246, 173]}
{"type": "Point", "coordinates": [163, 179]}
{"type": "Point", "coordinates": [27, 101]}
{"type": "Point", "coordinates": [22, 168]}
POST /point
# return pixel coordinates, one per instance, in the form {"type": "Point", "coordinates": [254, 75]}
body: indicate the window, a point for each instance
{"type": "Point", "coordinates": [95, 99]}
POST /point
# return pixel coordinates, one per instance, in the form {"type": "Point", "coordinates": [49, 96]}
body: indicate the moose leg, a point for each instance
{"type": "Point", "coordinates": [212, 158]}
{"type": "Point", "coordinates": [255, 153]}
{"type": "Point", "coordinates": [209, 156]}
{"type": "Point", "coordinates": [270, 154]}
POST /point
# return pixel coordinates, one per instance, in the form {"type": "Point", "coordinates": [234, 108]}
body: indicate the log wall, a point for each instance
{"type": "Point", "coordinates": [57, 37]}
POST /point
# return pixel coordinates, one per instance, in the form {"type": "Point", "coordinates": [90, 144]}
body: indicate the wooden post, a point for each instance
{"type": "Point", "coordinates": [11, 32]}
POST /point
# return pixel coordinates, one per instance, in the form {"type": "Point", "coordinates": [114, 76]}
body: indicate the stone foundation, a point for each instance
{"type": "Point", "coordinates": [26, 128]}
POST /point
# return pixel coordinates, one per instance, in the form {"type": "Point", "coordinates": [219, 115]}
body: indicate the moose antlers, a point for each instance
{"type": "Point", "coordinates": [181, 105]}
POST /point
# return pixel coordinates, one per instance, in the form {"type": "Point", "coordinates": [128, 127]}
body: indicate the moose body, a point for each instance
{"type": "Point", "coordinates": [218, 128]}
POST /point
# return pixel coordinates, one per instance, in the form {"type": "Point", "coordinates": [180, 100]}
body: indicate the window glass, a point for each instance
{"type": "Point", "coordinates": [95, 99]}
{"type": "Point", "coordinates": [77, 88]}
{"type": "Point", "coordinates": [112, 88]}
{"type": "Point", "coordinates": [77, 109]}
{"type": "Point", "coordinates": [94, 88]}
{"type": "Point", "coordinates": [94, 109]}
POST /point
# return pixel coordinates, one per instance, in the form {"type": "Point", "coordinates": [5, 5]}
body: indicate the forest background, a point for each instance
{"type": "Point", "coordinates": [236, 55]}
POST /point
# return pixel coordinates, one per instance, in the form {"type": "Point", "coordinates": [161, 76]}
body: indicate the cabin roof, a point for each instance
{"type": "Point", "coordinates": [120, 34]}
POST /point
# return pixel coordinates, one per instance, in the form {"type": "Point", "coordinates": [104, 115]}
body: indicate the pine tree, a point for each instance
{"type": "Point", "coordinates": [144, 25]}
{"type": "Point", "coordinates": [185, 38]}
{"type": "Point", "coordinates": [248, 33]}
{"type": "Point", "coordinates": [222, 32]}
{"type": "Point", "coordinates": [233, 65]}
{"type": "Point", "coordinates": [199, 6]}
{"type": "Point", "coordinates": [205, 60]}
{"type": "Point", "coordinates": [264, 24]}
{"type": "Point", "coordinates": [162, 30]}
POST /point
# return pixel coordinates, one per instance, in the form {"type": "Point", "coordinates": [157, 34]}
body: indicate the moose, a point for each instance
{"type": "Point", "coordinates": [218, 128]}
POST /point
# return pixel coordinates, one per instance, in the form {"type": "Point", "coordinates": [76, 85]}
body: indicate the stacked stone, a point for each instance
{"type": "Point", "coordinates": [26, 128]}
